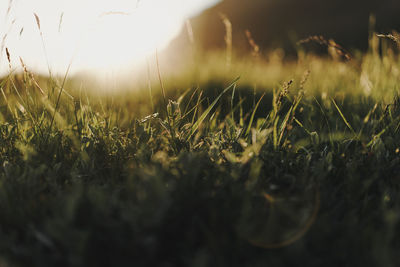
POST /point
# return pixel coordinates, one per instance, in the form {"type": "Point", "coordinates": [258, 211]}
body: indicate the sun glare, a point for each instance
{"type": "Point", "coordinates": [99, 35]}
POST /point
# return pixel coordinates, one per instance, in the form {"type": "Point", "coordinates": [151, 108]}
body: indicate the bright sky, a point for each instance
{"type": "Point", "coordinates": [102, 34]}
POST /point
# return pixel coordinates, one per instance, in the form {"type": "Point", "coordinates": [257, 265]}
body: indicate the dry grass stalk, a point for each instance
{"type": "Point", "coordinates": [8, 58]}
{"type": "Point", "coordinates": [9, 7]}
{"type": "Point", "coordinates": [111, 13]}
{"type": "Point", "coordinates": [44, 46]}
{"type": "Point", "coordinates": [256, 49]}
{"type": "Point", "coordinates": [284, 92]}
{"type": "Point", "coordinates": [228, 38]}
{"type": "Point", "coordinates": [3, 40]}
{"type": "Point", "coordinates": [60, 23]}
{"type": "Point", "coordinates": [30, 75]}
{"type": "Point", "coordinates": [37, 21]}
{"type": "Point", "coordinates": [304, 79]}
{"type": "Point", "coordinates": [328, 43]}
{"type": "Point", "coordinates": [394, 36]}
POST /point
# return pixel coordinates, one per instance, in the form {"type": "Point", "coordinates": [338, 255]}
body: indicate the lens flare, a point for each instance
{"type": "Point", "coordinates": [99, 35]}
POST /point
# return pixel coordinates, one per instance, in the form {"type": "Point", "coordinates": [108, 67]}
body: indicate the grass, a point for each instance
{"type": "Point", "coordinates": [295, 163]}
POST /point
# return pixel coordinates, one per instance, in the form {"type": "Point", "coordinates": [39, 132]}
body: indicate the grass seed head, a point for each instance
{"type": "Point", "coordinates": [394, 36]}
{"type": "Point", "coordinates": [329, 44]}
{"type": "Point", "coordinates": [37, 20]}
{"type": "Point", "coordinates": [8, 56]}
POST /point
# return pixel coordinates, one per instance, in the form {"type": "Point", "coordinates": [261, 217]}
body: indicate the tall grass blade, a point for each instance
{"type": "Point", "coordinates": [210, 107]}
{"type": "Point", "coordinates": [284, 124]}
{"type": "Point", "coordinates": [232, 99]}
{"type": "Point", "coordinates": [253, 114]}
{"type": "Point", "coordinates": [275, 132]}
{"type": "Point", "coordinates": [197, 106]}
{"type": "Point", "coordinates": [59, 98]}
{"type": "Point", "coordinates": [343, 117]}
{"type": "Point", "coordinates": [190, 100]}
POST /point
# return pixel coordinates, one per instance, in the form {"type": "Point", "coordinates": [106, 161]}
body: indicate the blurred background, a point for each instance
{"type": "Point", "coordinates": [115, 38]}
{"type": "Point", "coordinates": [281, 23]}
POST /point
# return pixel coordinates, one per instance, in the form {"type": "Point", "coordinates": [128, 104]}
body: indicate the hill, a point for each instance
{"type": "Point", "coordinates": [281, 23]}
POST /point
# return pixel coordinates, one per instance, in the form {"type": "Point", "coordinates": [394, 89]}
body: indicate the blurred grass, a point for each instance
{"type": "Point", "coordinates": [297, 161]}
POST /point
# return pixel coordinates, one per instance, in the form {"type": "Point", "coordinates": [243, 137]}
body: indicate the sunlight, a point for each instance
{"type": "Point", "coordinates": [98, 35]}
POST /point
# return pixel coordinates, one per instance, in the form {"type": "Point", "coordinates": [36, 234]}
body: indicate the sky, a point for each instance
{"type": "Point", "coordinates": [95, 35]}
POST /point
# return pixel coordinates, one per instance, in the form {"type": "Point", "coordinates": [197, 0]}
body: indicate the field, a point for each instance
{"type": "Point", "coordinates": [295, 163]}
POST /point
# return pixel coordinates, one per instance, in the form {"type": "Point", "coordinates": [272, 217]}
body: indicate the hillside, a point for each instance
{"type": "Point", "coordinates": [280, 23]}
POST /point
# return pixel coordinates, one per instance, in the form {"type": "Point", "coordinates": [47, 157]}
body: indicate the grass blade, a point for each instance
{"type": "Point", "coordinates": [343, 117]}
{"type": "Point", "coordinates": [208, 110]}
{"type": "Point", "coordinates": [284, 124]}
{"type": "Point", "coordinates": [275, 133]}
{"type": "Point", "coordinates": [253, 114]}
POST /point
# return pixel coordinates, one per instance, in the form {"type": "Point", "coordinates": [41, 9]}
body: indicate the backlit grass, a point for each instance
{"type": "Point", "coordinates": [294, 164]}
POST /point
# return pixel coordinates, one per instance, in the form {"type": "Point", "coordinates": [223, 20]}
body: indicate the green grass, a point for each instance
{"type": "Point", "coordinates": [294, 164]}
